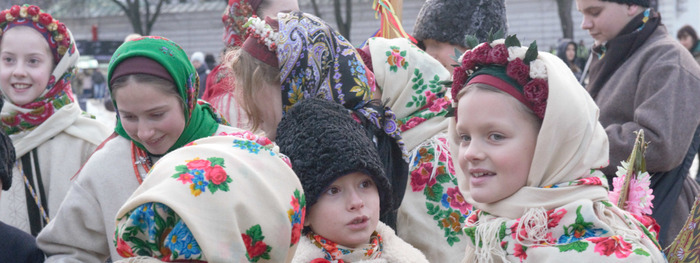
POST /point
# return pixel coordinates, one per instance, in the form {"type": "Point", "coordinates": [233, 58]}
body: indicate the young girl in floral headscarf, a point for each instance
{"type": "Point", "coordinates": [530, 148]}
{"type": "Point", "coordinates": [299, 56]}
{"type": "Point", "coordinates": [220, 82]}
{"type": "Point", "coordinates": [53, 137]}
{"type": "Point", "coordinates": [433, 210]}
{"type": "Point", "coordinates": [227, 198]}
{"type": "Point", "coordinates": [153, 87]}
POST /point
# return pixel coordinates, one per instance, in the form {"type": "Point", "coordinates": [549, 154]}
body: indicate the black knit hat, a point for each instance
{"type": "Point", "coordinates": [325, 143]}
{"type": "Point", "coordinates": [642, 3]}
{"type": "Point", "coordinates": [451, 21]}
{"type": "Point", "coordinates": [7, 157]}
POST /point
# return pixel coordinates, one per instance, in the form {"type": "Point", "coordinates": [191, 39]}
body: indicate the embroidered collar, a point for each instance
{"type": "Point", "coordinates": [334, 252]}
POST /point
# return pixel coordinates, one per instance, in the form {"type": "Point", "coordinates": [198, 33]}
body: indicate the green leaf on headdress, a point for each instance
{"type": "Point", "coordinates": [489, 36]}
{"type": "Point", "coordinates": [455, 57]}
{"type": "Point", "coordinates": [446, 83]}
{"type": "Point", "coordinates": [499, 34]}
{"type": "Point", "coordinates": [531, 53]}
{"type": "Point", "coordinates": [512, 41]}
{"type": "Point", "coordinates": [472, 41]}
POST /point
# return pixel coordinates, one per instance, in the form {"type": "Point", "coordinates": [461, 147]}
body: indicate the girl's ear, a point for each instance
{"type": "Point", "coordinates": [633, 10]}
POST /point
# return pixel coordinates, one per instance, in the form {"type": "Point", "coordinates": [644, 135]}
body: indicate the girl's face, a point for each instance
{"type": "Point", "coordinates": [150, 116]}
{"type": "Point", "coordinates": [604, 20]}
{"type": "Point", "coordinates": [269, 102]}
{"type": "Point", "coordinates": [347, 212]}
{"type": "Point", "coordinates": [497, 144]}
{"type": "Point", "coordinates": [26, 64]}
{"type": "Point", "coordinates": [686, 41]}
{"type": "Point", "coordinates": [570, 52]}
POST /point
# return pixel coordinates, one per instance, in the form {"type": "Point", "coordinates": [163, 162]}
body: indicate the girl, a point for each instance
{"type": "Point", "coordinates": [433, 210]}
{"type": "Point", "coordinates": [530, 148]}
{"type": "Point", "coordinates": [567, 52]}
{"type": "Point", "coordinates": [153, 87]}
{"type": "Point", "coordinates": [345, 187]}
{"type": "Point", "coordinates": [52, 136]}
{"type": "Point", "coordinates": [271, 82]}
{"type": "Point", "coordinates": [220, 83]}
{"type": "Point", "coordinates": [222, 199]}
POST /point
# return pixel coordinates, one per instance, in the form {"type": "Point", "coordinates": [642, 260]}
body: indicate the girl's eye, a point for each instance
{"type": "Point", "coordinates": [129, 117]}
{"type": "Point", "coordinates": [466, 138]}
{"type": "Point", "coordinates": [157, 115]}
{"type": "Point", "coordinates": [332, 190]}
{"type": "Point", "coordinates": [33, 61]}
{"type": "Point", "coordinates": [496, 137]}
{"type": "Point", "coordinates": [366, 184]}
{"type": "Point", "coordinates": [7, 59]}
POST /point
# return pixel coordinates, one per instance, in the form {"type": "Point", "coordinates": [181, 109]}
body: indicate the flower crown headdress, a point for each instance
{"type": "Point", "coordinates": [55, 32]}
{"type": "Point", "coordinates": [504, 64]}
{"type": "Point", "coordinates": [262, 31]}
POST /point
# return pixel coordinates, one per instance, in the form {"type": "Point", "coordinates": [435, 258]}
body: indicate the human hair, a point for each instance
{"type": "Point", "coordinates": [484, 87]}
{"type": "Point", "coordinates": [250, 73]}
{"type": "Point", "coordinates": [688, 30]}
{"type": "Point", "coordinates": [163, 85]}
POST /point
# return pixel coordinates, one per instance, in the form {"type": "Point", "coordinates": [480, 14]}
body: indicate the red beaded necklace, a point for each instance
{"type": "Point", "coordinates": [139, 157]}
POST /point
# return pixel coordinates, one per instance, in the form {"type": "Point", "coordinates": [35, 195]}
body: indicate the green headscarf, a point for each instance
{"type": "Point", "coordinates": [201, 120]}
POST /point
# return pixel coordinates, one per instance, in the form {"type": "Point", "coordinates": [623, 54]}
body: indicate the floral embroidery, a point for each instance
{"type": "Point", "coordinates": [396, 59]}
{"type": "Point", "coordinates": [425, 92]}
{"type": "Point", "coordinates": [182, 243]}
{"type": "Point", "coordinates": [203, 175]}
{"type": "Point", "coordinates": [254, 244]}
{"type": "Point", "coordinates": [606, 246]}
{"type": "Point", "coordinates": [580, 229]}
{"type": "Point", "coordinates": [334, 252]}
{"type": "Point", "coordinates": [136, 237]}
{"type": "Point", "coordinates": [444, 202]}
{"type": "Point", "coordinates": [297, 215]}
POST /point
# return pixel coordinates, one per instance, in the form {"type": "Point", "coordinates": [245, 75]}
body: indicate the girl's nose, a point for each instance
{"type": "Point", "coordinates": [355, 201]}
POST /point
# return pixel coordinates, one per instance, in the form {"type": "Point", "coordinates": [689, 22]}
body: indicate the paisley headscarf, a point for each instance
{"type": "Point", "coordinates": [563, 210]}
{"type": "Point", "coordinates": [315, 61]}
{"type": "Point", "coordinates": [201, 120]}
{"type": "Point", "coordinates": [58, 93]}
{"type": "Point", "coordinates": [230, 198]}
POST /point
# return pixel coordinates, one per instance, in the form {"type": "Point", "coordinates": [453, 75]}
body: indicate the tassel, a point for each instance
{"type": "Point", "coordinates": [390, 26]}
{"type": "Point", "coordinates": [534, 224]}
{"type": "Point", "coordinates": [487, 242]}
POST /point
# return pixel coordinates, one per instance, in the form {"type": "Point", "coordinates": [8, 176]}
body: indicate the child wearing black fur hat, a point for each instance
{"type": "Point", "coordinates": [345, 187]}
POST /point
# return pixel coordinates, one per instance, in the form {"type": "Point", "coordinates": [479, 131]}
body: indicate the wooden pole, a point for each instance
{"type": "Point", "coordinates": [398, 10]}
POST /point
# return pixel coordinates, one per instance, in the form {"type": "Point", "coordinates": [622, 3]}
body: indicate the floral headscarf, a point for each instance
{"type": "Point", "coordinates": [316, 61]}
{"type": "Point", "coordinates": [236, 15]}
{"type": "Point", "coordinates": [563, 211]}
{"type": "Point", "coordinates": [201, 120]}
{"type": "Point", "coordinates": [227, 198]}
{"type": "Point", "coordinates": [58, 93]}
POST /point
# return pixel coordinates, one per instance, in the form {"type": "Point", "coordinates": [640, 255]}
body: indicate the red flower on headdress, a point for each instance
{"type": "Point", "coordinates": [468, 60]}
{"type": "Point", "coordinates": [33, 10]}
{"type": "Point", "coordinates": [45, 19]}
{"type": "Point", "coordinates": [518, 70]}
{"type": "Point", "coordinates": [536, 91]}
{"type": "Point", "coordinates": [499, 55]}
{"type": "Point", "coordinates": [14, 11]}
{"type": "Point", "coordinates": [459, 78]}
{"type": "Point", "coordinates": [481, 53]}
{"type": "Point", "coordinates": [62, 28]}
{"type": "Point", "coordinates": [3, 15]}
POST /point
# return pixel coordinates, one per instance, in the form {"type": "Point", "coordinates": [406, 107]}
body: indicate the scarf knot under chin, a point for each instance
{"type": "Point", "coordinates": [334, 252]}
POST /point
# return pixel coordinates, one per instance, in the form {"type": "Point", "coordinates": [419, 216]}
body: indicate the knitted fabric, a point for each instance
{"type": "Point", "coordinates": [325, 143]}
{"type": "Point", "coordinates": [450, 21]}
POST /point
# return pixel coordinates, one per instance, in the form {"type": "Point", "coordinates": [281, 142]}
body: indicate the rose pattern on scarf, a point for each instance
{"type": "Point", "coordinates": [255, 247]}
{"type": "Point", "coordinates": [204, 174]}
{"type": "Point", "coordinates": [333, 252]}
{"type": "Point", "coordinates": [444, 202]}
{"type": "Point", "coordinates": [579, 236]}
{"type": "Point", "coordinates": [396, 58]}
{"type": "Point", "coordinates": [297, 215]}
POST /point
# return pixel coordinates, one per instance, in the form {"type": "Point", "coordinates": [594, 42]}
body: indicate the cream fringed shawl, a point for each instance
{"type": "Point", "coordinates": [564, 189]}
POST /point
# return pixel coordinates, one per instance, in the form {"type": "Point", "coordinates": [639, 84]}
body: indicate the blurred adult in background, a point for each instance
{"type": "Point", "coordinates": [210, 61]}
{"type": "Point", "coordinates": [442, 25]}
{"type": "Point", "coordinates": [689, 39]}
{"type": "Point", "coordinates": [197, 60]}
{"type": "Point", "coordinates": [567, 52]}
{"type": "Point", "coordinates": [641, 78]}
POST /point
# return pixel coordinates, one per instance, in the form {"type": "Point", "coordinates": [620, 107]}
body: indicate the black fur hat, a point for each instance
{"type": "Point", "coordinates": [642, 3]}
{"type": "Point", "coordinates": [7, 157]}
{"type": "Point", "coordinates": [450, 21]}
{"type": "Point", "coordinates": [325, 143]}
